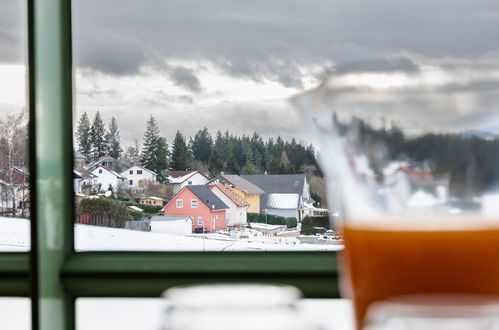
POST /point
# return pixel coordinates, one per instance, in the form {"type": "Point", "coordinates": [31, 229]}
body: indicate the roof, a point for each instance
{"type": "Point", "coordinates": [231, 194]}
{"type": "Point", "coordinates": [135, 208]}
{"type": "Point", "coordinates": [207, 197]}
{"type": "Point", "coordinates": [171, 218]}
{"type": "Point", "coordinates": [283, 201]}
{"type": "Point", "coordinates": [83, 174]}
{"type": "Point", "coordinates": [177, 174]}
{"type": "Point", "coordinates": [78, 154]}
{"type": "Point", "coordinates": [277, 184]}
{"type": "Point", "coordinates": [153, 198]}
{"type": "Point", "coordinates": [243, 184]}
{"type": "Point", "coordinates": [181, 178]}
{"type": "Point", "coordinates": [21, 169]}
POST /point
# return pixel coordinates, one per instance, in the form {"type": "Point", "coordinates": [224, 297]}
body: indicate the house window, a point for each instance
{"type": "Point", "coordinates": [139, 171]}
{"type": "Point", "coordinates": [194, 203]}
{"type": "Point", "coordinates": [100, 171]}
{"type": "Point", "coordinates": [131, 182]}
{"type": "Point", "coordinates": [189, 182]}
{"type": "Point", "coordinates": [179, 203]}
{"type": "Point", "coordinates": [104, 163]}
{"type": "Point", "coordinates": [131, 172]}
{"type": "Point", "coordinates": [200, 221]}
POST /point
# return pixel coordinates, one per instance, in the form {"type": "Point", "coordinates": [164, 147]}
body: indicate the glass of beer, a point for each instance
{"type": "Point", "coordinates": [411, 159]}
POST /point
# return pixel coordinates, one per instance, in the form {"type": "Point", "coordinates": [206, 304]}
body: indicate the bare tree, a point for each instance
{"type": "Point", "coordinates": [13, 154]}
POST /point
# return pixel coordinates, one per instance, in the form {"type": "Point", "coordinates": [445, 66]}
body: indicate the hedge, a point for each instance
{"type": "Point", "coordinates": [272, 219]}
{"type": "Point", "coordinates": [308, 224]}
{"type": "Point", "coordinates": [153, 209]}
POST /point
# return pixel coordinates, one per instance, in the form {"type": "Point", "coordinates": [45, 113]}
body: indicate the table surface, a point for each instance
{"type": "Point", "coordinates": [145, 313]}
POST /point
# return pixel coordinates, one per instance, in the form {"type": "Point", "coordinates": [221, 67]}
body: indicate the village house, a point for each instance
{"type": "Point", "coordinates": [175, 224]}
{"type": "Point", "coordinates": [180, 179]}
{"type": "Point", "coordinates": [79, 160]}
{"type": "Point", "coordinates": [244, 188]}
{"type": "Point", "coordinates": [200, 203]}
{"type": "Point", "coordinates": [106, 178]}
{"type": "Point", "coordinates": [135, 174]}
{"type": "Point", "coordinates": [155, 201]}
{"type": "Point", "coordinates": [84, 182]}
{"type": "Point", "coordinates": [107, 162]}
{"type": "Point", "coordinates": [285, 194]}
{"type": "Point", "coordinates": [236, 215]}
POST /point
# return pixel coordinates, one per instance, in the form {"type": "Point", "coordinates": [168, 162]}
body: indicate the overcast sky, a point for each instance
{"type": "Point", "coordinates": [233, 64]}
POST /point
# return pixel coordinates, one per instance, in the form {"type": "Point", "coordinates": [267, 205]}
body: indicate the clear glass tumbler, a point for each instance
{"type": "Point", "coordinates": [412, 163]}
{"type": "Point", "coordinates": [232, 306]}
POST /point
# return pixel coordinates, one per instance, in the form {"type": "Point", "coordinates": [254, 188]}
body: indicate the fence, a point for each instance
{"type": "Point", "coordinates": [141, 225]}
{"type": "Point", "coordinates": [99, 220]}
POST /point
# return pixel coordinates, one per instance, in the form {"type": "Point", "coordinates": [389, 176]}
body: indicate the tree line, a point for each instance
{"type": "Point", "coordinates": [472, 161]}
{"type": "Point", "coordinates": [224, 152]}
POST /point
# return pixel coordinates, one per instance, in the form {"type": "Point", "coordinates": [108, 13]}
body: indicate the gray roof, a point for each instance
{"type": "Point", "coordinates": [243, 184]}
{"type": "Point", "coordinates": [207, 197]}
{"type": "Point", "coordinates": [277, 184]}
{"type": "Point", "coordinates": [170, 217]}
{"type": "Point", "coordinates": [78, 154]}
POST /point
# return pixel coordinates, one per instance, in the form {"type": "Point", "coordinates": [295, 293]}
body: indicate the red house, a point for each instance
{"type": "Point", "coordinates": [200, 203]}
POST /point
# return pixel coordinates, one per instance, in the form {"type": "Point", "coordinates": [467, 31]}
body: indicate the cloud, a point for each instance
{"type": "Point", "coordinates": [185, 77]}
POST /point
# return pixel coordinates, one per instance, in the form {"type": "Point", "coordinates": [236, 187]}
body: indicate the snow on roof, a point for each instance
{"type": "Point", "coordinates": [155, 198]}
{"type": "Point", "coordinates": [231, 194]}
{"type": "Point", "coordinates": [135, 208]}
{"type": "Point", "coordinates": [78, 154]}
{"type": "Point", "coordinates": [283, 201]}
{"type": "Point", "coordinates": [180, 179]}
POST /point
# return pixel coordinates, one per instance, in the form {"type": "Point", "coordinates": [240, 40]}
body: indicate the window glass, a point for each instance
{"type": "Point", "coordinates": [15, 313]}
{"type": "Point", "coordinates": [14, 167]}
{"type": "Point", "coordinates": [194, 203]}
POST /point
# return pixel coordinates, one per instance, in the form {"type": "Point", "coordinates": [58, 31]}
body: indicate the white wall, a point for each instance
{"type": "Point", "coordinates": [178, 227]}
{"type": "Point", "coordinates": [196, 179]}
{"type": "Point", "coordinates": [146, 175]}
{"type": "Point", "coordinates": [105, 178]}
{"type": "Point", "coordinates": [235, 215]}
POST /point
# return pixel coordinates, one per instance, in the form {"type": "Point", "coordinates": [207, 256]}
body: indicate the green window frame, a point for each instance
{"type": "Point", "coordinates": [52, 274]}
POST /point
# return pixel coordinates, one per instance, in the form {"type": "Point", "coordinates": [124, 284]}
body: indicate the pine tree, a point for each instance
{"type": "Point", "coordinates": [113, 140]}
{"type": "Point", "coordinates": [216, 163]}
{"type": "Point", "coordinates": [83, 137]}
{"type": "Point", "coordinates": [132, 154]}
{"type": "Point", "coordinates": [154, 154]}
{"type": "Point", "coordinates": [232, 165]}
{"type": "Point", "coordinates": [97, 137]}
{"type": "Point", "coordinates": [181, 159]}
{"type": "Point", "coordinates": [202, 145]}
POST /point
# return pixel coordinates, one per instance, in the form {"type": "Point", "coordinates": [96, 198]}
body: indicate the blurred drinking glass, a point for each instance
{"type": "Point", "coordinates": [411, 156]}
{"type": "Point", "coordinates": [435, 312]}
{"type": "Point", "coordinates": [232, 306]}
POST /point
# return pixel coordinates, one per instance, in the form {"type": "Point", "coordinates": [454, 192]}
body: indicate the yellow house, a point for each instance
{"type": "Point", "coordinates": [156, 201]}
{"type": "Point", "coordinates": [247, 190]}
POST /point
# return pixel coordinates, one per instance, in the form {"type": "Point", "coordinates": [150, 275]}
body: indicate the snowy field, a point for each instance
{"type": "Point", "coordinates": [14, 237]}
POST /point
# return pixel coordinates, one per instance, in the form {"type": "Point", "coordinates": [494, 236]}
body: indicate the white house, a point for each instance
{"type": "Point", "coordinates": [285, 194]}
{"type": "Point", "coordinates": [176, 224]}
{"type": "Point", "coordinates": [106, 177]}
{"type": "Point", "coordinates": [135, 174]}
{"type": "Point", "coordinates": [180, 179]}
{"type": "Point", "coordinates": [237, 211]}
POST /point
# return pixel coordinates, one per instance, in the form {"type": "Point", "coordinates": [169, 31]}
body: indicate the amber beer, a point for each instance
{"type": "Point", "coordinates": [391, 258]}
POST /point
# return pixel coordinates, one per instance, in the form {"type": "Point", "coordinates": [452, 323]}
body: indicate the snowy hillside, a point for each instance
{"type": "Point", "coordinates": [14, 236]}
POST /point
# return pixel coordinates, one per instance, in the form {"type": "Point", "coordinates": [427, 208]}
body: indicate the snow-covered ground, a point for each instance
{"type": "Point", "coordinates": [14, 236]}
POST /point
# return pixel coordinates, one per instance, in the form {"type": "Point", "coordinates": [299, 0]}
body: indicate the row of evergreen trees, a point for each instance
{"type": "Point", "coordinates": [225, 152]}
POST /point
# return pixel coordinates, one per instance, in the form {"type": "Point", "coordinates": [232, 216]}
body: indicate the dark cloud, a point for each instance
{"type": "Point", "coordinates": [185, 77]}
{"type": "Point", "coordinates": [13, 35]}
{"type": "Point", "coordinates": [274, 39]}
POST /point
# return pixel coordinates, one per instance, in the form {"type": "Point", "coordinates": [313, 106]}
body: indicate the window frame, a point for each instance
{"type": "Point", "coordinates": [53, 274]}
